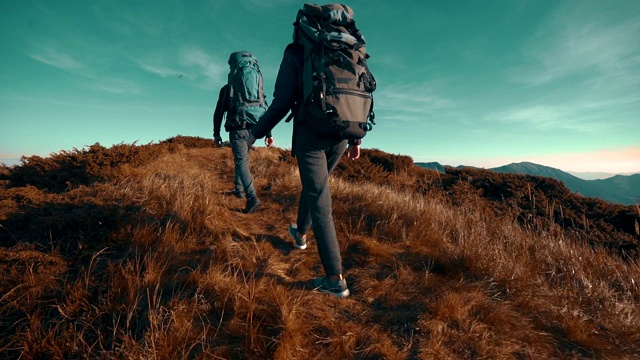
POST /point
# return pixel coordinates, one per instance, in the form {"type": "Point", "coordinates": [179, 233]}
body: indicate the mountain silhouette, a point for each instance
{"type": "Point", "coordinates": [618, 189]}
{"type": "Point", "coordinates": [431, 166]}
{"type": "Point", "coordinates": [621, 189]}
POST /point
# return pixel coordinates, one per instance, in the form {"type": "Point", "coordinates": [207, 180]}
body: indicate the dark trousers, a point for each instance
{"type": "Point", "coordinates": [316, 159]}
{"type": "Point", "coordinates": [239, 147]}
{"type": "Point", "coordinates": [237, 184]}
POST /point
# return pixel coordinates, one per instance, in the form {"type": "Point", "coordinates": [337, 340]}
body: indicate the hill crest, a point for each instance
{"type": "Point", "coordinates": [139, 251]}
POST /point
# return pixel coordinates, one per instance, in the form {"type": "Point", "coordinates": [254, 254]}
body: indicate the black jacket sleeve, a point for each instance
{"type": "Point", "coordinates": [222, 106]}
{"type": "Point", "coordinates": [285, 92]}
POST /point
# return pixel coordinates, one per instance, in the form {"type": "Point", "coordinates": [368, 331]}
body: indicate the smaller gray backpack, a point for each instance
{"type": "Point", "coordinates": [246, 90]}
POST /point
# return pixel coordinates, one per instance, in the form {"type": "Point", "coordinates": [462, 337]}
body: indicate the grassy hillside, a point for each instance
{"type": "Point", "coordinates": [142, 252]}
{"type": "Point", "coordinates": [621, 187]}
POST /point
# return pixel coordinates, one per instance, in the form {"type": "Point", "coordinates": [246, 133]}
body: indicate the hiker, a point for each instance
{"type": "Point", "coordinates": [243, 101]}
{"type": "Point", "coordinates": [317, 153]}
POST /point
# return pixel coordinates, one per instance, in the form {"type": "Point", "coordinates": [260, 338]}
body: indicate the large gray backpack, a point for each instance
{"type": "Point", "coordinates": [246, 90]}
{"type": "Point", "coordinates": [337, 83]}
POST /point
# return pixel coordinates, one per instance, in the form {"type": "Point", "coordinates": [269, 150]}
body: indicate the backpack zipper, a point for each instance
{"type": "Point", "coordinates": [362, 94]}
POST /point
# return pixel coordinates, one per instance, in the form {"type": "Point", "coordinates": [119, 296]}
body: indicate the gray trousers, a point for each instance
{"type": "Point", "coordinates": [239, 147]}
{"type": "Point", "coordinates": [316, 159]}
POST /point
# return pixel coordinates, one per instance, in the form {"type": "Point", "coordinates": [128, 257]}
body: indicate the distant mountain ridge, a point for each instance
{"type": "Point", "coordinates": [620, 189]}
{"type": "Point", "coordinates": [10, 161]}
{"type": "Point", "coordinates": [593, 175]}
{"type": "Point", "coordinates": [432, 166]}
{"type": "Point", "coordinates": [597, 175]}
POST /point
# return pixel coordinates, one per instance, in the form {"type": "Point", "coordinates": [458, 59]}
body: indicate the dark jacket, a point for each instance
{"type": "Point", "coordinates": [287, 93]}
{"type": "Point", "coordinates": [222, 107]}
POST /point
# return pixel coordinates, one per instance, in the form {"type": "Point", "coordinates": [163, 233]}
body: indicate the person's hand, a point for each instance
{"type": "Point", "coordinates": [268, 141]}
{"type": "Point", "coordinates": [251, 140]}
{"type": "Point", "coordinates": [217, 140]}
{"type": "Point", "coordinates": [353, 152]}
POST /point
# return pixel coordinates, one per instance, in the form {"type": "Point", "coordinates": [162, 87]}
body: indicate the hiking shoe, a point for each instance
{"type": "Point", "coordinates": [253, 204]}
{"type": "Point", "coordinates": [335, 288]}
{"type": "Point", "coordinates": [301, 243]}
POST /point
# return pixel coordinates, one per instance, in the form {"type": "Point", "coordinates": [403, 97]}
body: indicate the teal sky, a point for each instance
{"type": "Point", "coordinates": [482, 83]}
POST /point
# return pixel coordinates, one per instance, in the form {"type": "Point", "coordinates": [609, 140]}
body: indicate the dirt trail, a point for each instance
{"type": "Point", "coordinates": [269, 224]}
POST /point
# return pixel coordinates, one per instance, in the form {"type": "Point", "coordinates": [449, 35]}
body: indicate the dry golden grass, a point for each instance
{"type": "Point", "coordinates": [157, 261]}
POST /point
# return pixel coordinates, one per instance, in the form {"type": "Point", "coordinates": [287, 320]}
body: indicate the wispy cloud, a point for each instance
{"type": "Point", "coordinates": [116, 86]}
{"type": "Point", "coordinates": [56, 58]}
{"type": "Point", "coordinates": [86, 65]}
{"type": "Point", "coordinates": [158, 69]}
{"type": "Point", "coordinates": [583, 65]}
{"type": "Point", "coordinates": [579, 40]}
{"type": "Point", "coordinates": [210, 69]}
{"type": "Point", "coordinates": [550, 118]}
{"type": "Point", "coordinates": [139, 20]}
{"type": "Point", "coordinates": [408, 98]}
{"type": "Point", "coordinates": [201, 69]}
